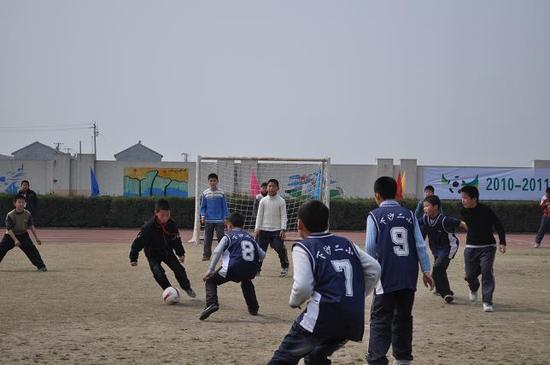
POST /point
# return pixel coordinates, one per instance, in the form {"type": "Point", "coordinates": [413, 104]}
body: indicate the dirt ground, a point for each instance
{"type": "Point", "coordinates": [91, 307]}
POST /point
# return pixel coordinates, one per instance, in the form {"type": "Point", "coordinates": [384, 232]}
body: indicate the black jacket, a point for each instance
{"type": "Point", "coordinates": [32, 200]}
{"type": "Point", "coordinates": [156, 239]}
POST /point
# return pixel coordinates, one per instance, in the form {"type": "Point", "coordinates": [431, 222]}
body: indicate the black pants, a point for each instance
{"type": "Point", "coordinates": [247, 287]}
{"type": "Point", "coordinates": [299, 343]}
{"type": "Point", "coordinates": [27, 246]}
{"type": "Point", "coordinates": [209, 229]}
{"type": "Point", "coordinates": [439, 274]}
{"type": "Point", "coordinates": [480, 261]}
{"type": "Point", "coordinates": [155, 261]}
{"type": "Point", "coordinates": [267, 238]}
{"type": "Point", "coordinates": [544, 227]}
{"type": "Point", "coordinates": [391, 323]}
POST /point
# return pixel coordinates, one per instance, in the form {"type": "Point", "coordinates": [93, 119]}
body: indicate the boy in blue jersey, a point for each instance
{"type": "Point", "coordinates": [213, 213]}
{"type": "Point", "coordinates": [395, 240]}
{"type": "Point", "coordinates": [335, 275]}
{"type": "Point", "coordinates": [241, 257]}
{"type": "Point", "coordinates": [440, 230]}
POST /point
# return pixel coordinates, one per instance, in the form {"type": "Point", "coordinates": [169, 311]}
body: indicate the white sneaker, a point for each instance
{"type": "Point", "coordinates": [473, 296]}
{"type": "Point", "coordinates": [488, 307]}
{"type": "Point", "coordinates": [536, 245]}
{"type": "Point", "coordinates": [284, 273]}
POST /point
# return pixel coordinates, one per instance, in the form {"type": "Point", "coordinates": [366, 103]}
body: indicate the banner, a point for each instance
{"type": "Point", "coordinates": [493, 183]}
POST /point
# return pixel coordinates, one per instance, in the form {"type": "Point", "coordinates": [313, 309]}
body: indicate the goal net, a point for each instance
{"type": "Point", "coordinates": [240, 178]}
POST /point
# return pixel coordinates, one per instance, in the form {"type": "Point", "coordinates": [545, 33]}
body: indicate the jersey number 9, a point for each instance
{"type": "Point", "coordinates": [400, 239]}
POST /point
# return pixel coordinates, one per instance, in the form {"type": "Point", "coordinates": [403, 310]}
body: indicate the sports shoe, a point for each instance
{"type": "Point", "coordinates": [473, 296]}
{"type": "Point", "coordinates": [284, 272]}
{"type": "Point", "coordinates": [206, 312]}
{"type": "Point", "coordinates": [449, 298]}
{"type": "Point", "coordinates": [190, 292]}
{"type": "Point", "coordinates": [402, 362]}
{"type": "Point", "coordinates": [205, 258]}
{"type": "Point", "coordinates": [488, 307]}
{"type": "Point", "coordinates": [536, 245]}
{"type": "Point", "coordinates": [42, 269]}
{"type": "Point", "coordinates": [253, 311]}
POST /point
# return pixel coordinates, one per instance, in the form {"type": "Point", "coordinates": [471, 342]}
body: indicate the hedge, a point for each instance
{"type": "Point", "coordinates": [346, 214]}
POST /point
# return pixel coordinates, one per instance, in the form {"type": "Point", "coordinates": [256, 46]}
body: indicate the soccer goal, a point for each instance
{"type": "Point", "coordinates": [300, 179]}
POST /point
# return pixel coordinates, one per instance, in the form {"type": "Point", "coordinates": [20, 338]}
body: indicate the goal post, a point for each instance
{"type": "Point", "coordinates": [300, 179]}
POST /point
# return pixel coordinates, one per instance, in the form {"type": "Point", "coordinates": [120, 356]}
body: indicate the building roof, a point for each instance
{"type": "Point", "coordinates": [138, 152]}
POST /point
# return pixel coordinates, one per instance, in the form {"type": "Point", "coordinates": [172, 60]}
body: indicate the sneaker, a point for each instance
{"type": "Point", "coordinates": [402, 362]}
{"type": "Point", "coordinates": [536, 245]}
{"type": "Point", "coordinates": [488, 307]}
{"type": "Point", "coordinates": [253, 311]}
{"type": "Point", "coordinates": [206, 312]}
{"type": "Point", "coordinates": [42, 269]}
{"type": "Point", "coordinates": [205, 258]}
{"type": "Point", "coordinates": [284, 272]}
{"type": "Point", "coordinates": [190, 292]}
{"type": "Point", "coordinates": [449, 298]}
{"type": "Point", "coordinates": [473, 296]}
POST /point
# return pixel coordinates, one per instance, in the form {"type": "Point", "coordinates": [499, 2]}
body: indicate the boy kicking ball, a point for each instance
{"type": "Point", "coordinates": [160, 238]}
{"type": "Point", "coordinates": [241, 257]}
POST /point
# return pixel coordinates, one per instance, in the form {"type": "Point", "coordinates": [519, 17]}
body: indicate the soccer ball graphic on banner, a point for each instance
{"type": "Point", "coordinates": [171, 295]}
{"type": "Point", "coordinates": [456, 184]}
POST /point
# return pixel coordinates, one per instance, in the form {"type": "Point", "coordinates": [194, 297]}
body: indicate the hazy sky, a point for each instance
{"type": "Point", "coordinates": [445, 82]}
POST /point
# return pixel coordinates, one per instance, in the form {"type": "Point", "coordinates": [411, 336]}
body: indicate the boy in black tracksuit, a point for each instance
{"type": "Point", "coordinates": [159, 238]}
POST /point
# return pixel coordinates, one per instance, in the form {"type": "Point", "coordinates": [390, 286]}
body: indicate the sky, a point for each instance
{"type": "Point", "coordinates": [444, 82]}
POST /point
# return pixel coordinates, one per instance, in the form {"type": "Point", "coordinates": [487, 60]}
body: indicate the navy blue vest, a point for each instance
{"type": "Point", "coordinates": [395, 247]}
{"type": "Point", "coordinates": [441, 233]}
{"type": "Point", "coordinates": [241, 256]}
{"type": "Point", "coordinates": [337, 307]}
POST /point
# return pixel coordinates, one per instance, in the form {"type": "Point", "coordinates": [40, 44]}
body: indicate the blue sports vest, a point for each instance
{"type": "Point", "coordinates": [337, 307]}
{"type": "Point", "coordinates": [241, 256]}
{"type": "Point", "coordinates": [395, 247]}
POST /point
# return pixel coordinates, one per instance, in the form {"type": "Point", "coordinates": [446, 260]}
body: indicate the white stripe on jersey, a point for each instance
{"type": "Point", "coordinates": [312, 313]}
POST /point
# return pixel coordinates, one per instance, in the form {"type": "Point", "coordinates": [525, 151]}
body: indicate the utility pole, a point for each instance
{"type": "Point", "coordinates": [57, 145]}
{"type": "Point", "coordinates": [96, 133]}
{"type": "Point", "coordinates": [185, 156]}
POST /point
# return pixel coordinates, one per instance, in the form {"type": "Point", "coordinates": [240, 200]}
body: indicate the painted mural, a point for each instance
{"type": "Point", "coordinates": [309, 185]}
{"type": "Point", "coordinates": [10, 180]}
{"type": "Point", "coordinates": [149, 181]}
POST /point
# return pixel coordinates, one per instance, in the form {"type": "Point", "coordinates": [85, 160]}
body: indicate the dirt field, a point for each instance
{"type": "Point", "coordinates": [91, 307]}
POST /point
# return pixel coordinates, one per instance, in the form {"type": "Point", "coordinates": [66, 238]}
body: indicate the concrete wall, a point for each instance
{"type": "Point", "coordinates": [67, 174]}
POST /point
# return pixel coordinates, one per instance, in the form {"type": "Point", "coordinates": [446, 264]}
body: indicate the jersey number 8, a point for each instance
{"type": "Point", "coordinates": [247, 250]}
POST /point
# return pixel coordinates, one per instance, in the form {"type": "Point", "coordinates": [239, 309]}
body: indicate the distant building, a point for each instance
{"type": "Point", "coordinates": [139, 153]}
{"type": "Point", "coordinates": [5, 157]}
{"type": "Point", "coordinates": [37, 151]}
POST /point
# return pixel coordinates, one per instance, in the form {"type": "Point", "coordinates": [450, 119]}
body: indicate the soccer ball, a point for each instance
{"type": "Point", "coordinates": [171, 295]}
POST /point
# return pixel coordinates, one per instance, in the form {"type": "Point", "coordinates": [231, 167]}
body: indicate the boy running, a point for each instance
{"type": "Point", "coordinates": [479, 254]}
{"type": "Point", "coordinates": [440, 230]}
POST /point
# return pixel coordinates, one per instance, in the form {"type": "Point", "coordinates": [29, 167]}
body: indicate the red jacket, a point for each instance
{"type": "Point", "coordinates": [545, 206]}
